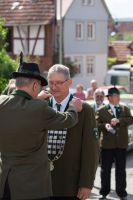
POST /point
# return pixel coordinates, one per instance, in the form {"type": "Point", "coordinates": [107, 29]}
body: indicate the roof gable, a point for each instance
{"type": "Point", "coordinates": [120, 50]}
{"type": "Point", "coordinates": [23, 12]}
{"type": "Point", "coordinates": [67, 4]}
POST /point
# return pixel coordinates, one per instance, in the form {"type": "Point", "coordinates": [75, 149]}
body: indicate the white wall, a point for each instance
{"type": "Point", "coordinates": [97, 47]}
{"type": "Point", "coordinates": [39, 49]}
{"type": "Point", "coordinates": [99, 71]}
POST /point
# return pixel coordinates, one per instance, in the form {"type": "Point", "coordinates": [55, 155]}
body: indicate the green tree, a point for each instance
{"type": "Point", "coordinates": [130, 60]}
{"type": "Point", "coordinates": [111, 61]}
{"type": "Point", "coordinates": [3, 34]}
{"type": "Point", "coordinates": [67, 62]}
{"type": "Point", "coordinates": [7, 65]}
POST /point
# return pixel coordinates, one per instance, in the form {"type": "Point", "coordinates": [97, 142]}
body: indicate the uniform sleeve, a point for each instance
{"type": "Point", "coordinates": [127, 118]}
{"type": "Point", "coordinates": [57, 120]}
{"type": "Point", "coordinates": [90, 149]}
{"type": "Point", "coordinates": [100, 120]}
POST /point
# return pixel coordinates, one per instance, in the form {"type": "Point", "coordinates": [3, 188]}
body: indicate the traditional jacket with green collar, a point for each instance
{"type": "Point", "coordinates": [23, 144]}
{"type": "Point", "coordinates": [120, 138]}
{"type": "Point", "coordinates": [77, 166]}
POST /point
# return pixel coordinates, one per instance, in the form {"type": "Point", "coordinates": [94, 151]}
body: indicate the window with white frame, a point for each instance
{"type": "Point", "coordinates": [91, 31]}
{"type": "Point", "coordinates": [90, 64]}
{"type": "Point", "coordinates": [88, 2]}
{"type": "Point", "coordinates": [77, 64]}
{"type": "Point", "coordinates": [79, 31]}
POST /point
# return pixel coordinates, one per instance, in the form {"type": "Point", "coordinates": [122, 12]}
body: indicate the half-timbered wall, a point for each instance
{"type": "Point", "coordinates": [30, 39]}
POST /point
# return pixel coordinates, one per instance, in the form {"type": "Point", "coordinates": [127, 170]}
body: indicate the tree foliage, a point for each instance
{"type": "Point", "coordinates": [7, 65]}
{"type": "Point", "coordinates": [67, 62]}
{"type": "Point", "coordinates": [111, 61]}
{"type": "Point", "coordinates": [3, 34]}
{"type": "Point", "coordinates": [130, 60]}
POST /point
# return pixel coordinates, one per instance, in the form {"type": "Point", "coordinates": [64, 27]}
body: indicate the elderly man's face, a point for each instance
{"type": "Point", "coordinates": [59, 85]}
{"type": "Point", "coordinates": [99, 98]}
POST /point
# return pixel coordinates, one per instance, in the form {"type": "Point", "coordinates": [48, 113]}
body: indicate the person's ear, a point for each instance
{"type": "Point", "coordinates": [70, 82]}
{"type": "Point", "coordinates": [34, 86]}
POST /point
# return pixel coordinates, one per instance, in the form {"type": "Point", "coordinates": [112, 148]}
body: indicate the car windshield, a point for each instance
{"type": "Point", "coordinates": [119, 80]}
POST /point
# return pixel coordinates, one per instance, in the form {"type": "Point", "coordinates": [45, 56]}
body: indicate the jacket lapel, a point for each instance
{"type": "Point", "coordinates": [109, 110]}
{"type": "Point", "coordinates": [50, 103]}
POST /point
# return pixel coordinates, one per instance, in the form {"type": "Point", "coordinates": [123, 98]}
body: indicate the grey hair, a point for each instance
{"type": "Point", "coordinates": [99, 90]}
{"type": "Point", "coordinates": [58, 68]}
{"type": "Point", "coordinates": [22, 81]}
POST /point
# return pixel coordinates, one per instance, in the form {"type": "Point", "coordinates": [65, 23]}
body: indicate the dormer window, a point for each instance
{"type": "Point", "coordinates": [87, 2]}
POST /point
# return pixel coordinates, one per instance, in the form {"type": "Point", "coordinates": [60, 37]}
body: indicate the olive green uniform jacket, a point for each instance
{"type": "Point", "coordinates": [120, 138]}
{"type": "Point", "coordinates": [23, 144]}
{"type": "Point", "coordinates": [77, 166]}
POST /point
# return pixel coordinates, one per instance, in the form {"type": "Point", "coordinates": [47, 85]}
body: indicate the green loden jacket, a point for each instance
{"type": "Point", "coordinates": [120, 138]}
{"type": "Point", "coordinates": [77, 166]}
{"type": "Point", "coordinates": [23, 144]}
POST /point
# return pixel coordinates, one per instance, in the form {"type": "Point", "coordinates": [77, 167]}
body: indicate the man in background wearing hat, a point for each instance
{"type": "Point", "coordinates": [113, 120]}
{"type": "Point", "coordinates": [25, 170]}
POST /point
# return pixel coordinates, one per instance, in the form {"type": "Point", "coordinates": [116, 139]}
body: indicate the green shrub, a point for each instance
{"type": "Point", "coordinates": [7, 66]}
{"type": "Point", "coordinates": [111, 61]}
{"type": "Point", "coordinates": [3, 83]}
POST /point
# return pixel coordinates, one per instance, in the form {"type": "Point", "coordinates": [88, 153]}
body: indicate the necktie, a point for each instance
{"type": "Point", "coordinates": [117, 111]}
{"type": "Point", "coordinates": [58, 105]}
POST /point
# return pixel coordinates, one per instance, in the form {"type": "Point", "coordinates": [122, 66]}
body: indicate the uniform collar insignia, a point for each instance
{"type": "Point", "coordinates": [109, 109]}
{"type": "Point", "coordinates": [21, 93]}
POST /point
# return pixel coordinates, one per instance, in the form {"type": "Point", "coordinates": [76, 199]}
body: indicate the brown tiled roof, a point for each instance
{"type": "Point", "coordinates": [27, 11]}
{"type": "Point", "coordinates": [125, 27]}
{"type": "Point", "coordinates": [120, 50]}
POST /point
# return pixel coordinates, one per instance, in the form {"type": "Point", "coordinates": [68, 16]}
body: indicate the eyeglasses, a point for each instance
{"type": "Point", "coordinates": [56, 83]}
{"type": "Point", "coordinates": [99, 96]}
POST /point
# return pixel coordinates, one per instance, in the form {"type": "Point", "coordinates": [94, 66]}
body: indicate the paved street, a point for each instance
{"type": "Point", "coordinates": [113, 196]}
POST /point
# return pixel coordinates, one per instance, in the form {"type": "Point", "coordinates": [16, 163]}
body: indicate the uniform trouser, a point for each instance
{"type": "Point", "coordinates": [118, 156]}
{"type": "Point", "coordinates": [64, 198]}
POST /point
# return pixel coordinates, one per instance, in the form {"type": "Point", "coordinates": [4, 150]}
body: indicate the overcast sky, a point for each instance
{"type": "Point", "coordinates": [120, 8]}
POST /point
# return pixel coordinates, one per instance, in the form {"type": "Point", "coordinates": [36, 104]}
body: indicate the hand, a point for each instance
{"type": "Point", "coordinates": [84, 193]}
{"type": "Point", "coordinates": [77, 104]}
{"type": "Point", "coordinates": [44, 95]}
{"type": "Point", "coordinates": [114, 121]}
{"type": "Point", "coordinates": [109, 128]}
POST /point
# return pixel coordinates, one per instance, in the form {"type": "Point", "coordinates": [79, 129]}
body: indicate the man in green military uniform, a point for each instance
{"type": "Point", "coordinates": [74, 153]}
{"type": "Point", "coordinates": [113, 120]}
{"type": "Point", "coordinates": [23, 136]}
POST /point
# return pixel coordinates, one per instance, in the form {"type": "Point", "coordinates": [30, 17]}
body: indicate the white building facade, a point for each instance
{"type": "Point", "coordinates": [85, 39]}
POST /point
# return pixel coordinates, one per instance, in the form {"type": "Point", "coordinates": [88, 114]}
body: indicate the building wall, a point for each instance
{"type": "Point", "coordinates": [99, 44]}
{"type": "Point", "coordinates": [84, 78]}
{"type": "Point", "coordinates": [28, 36]}
{"type": "Point", "coordinates": [77, 11]}
{"type": "Point", "coordinates": [44, 49]}
{"type": "Point", "coordinates": [84, 47]}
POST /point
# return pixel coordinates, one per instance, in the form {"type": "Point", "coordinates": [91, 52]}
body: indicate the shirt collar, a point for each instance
{"type": "Point", "coordinates": [113, 106]}
{"type": "Point", "coordinates": [22, 93]}
{"type": "Point", "coordinates": [63, 103]}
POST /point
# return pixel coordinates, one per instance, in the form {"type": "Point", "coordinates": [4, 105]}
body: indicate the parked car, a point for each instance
{"type": "Point", "coordinates": [121, 88]}
{"type": "Point", "coordinates": [119, 74]}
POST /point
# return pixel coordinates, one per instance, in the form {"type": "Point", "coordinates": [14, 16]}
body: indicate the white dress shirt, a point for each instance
{"type": "Point", "coordinates": [63, 103]}
{"type": "Point", "coordinates": [113, 108]}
